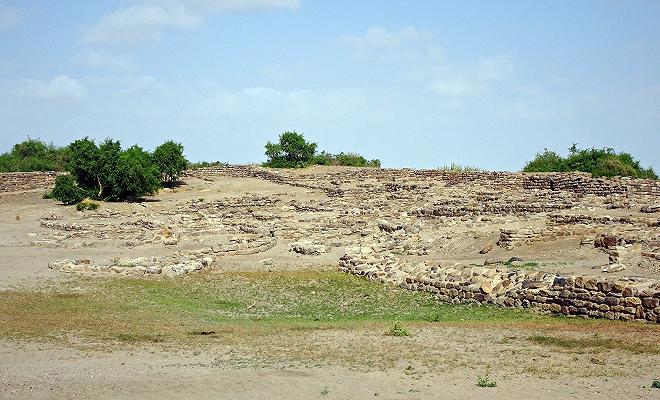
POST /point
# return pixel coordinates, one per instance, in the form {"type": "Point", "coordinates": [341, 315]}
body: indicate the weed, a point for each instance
{"type": "Point", "coordinates": [325, 391]}
{"type": "Point", "coordinates": [397, 330]}
{"type": "Point", "coordinates": [485, 381]}
{"type": "Point", "coordinates": [656, 384]}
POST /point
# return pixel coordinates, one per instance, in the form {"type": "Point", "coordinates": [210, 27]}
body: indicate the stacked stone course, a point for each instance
{"type": "Point", "coordinates": [623, 298]}
{"type": "Point", "coordinates": [22, 181]}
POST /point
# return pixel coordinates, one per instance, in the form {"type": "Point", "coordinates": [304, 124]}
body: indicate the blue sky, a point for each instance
{"type": "Point", "coordinates": [413, 83]}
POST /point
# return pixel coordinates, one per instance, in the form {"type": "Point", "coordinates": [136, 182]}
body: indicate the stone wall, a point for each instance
{"type": "Point", "coordinates": [623, 298]}
{"type": "Point", "coordinates": [21, 181]}
{"type": "Point", "coordinates": [576, 182]}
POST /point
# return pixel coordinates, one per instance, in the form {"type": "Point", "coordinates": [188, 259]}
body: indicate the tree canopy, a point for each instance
{"type": "Point", "coordinates": [293, 151]}
{"type": "Point", "coordinates": [106, 172]}
{"type": "Point", "coordinates": [598, 162]}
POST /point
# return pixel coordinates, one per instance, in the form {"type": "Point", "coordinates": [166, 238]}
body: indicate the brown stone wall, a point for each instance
{"type": "Point", "coordinates": [626, 298]}
{"type": "Point", "coordinates": [22, 181]}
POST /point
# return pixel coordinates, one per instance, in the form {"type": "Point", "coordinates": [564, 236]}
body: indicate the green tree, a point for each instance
{"type": "Point", "coordinates": [292, 151]}
{"type": "Point", "coordinates": [136, 175]}
{"type": "Point", "coordinates": [598, 162]}
{"type": "Point", "coordinates": [83, 162]}
{"type": "Point", "coordinates": [33, 155]}
{"type": "Point", "coordinates": [170, 160]}
{"type": "Point", "coordinates": [66, 190]}
{"type": "Point", "coordinates": [547, 161]}
{"type": "Point", "coordinates": [106, 166]}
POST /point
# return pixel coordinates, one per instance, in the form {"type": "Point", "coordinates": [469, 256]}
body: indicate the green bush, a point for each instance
{"type": "Point", "coordinates": [598, 162]}
{"type": "Point", "coordinates": [67, 191]}
{"type": "Point", "coordinates": [33, 155]}
{"type": "Point", "coordinates": [397, 330]}
{"type": "Point", "coordinates": [345, 159]}
{"type": "Point", "coordinates": [136, 175]}
{"type": "Point", "coordinates": [485, 381]}
{"type": "Point", "coordinates": [170, 161]}
{"type": "Point", "coordinates": [292, 151]}
{"type": "Point", "coordinates": [205, 164]}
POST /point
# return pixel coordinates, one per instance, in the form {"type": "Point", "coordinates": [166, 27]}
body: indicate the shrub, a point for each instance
{"type": "Point", "coordinates": [598, 162]}
{"type": "Point", "coordinates": [397, 330]}
{"type": "Point", "coordinates": [136, 175]}
{"type": "Point", "coordinates": [170, 161]}
{"type": "Point", "coordinates": [485, 381]}
{"type": "Point", "coordinates": [292, 151]}
{"type": "Point", "coordinates": [87, 205]}
{"type": "Point", "coordinates": [33, 155]}
{"type": "Point", "coordinates": [459, 168]}
{"type": "Point", "coordinates": [67, 191]}
{"type": "Point", "coordinates": [205, 164]}
{"type": "Point", "coordinates": [345, 159]}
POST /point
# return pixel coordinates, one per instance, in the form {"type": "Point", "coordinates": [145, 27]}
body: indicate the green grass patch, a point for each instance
{"type": "Point", "coordinates": [230, 303]}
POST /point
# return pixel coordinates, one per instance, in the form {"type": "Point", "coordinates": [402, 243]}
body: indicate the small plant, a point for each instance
{"type": "Point", "coordinates": [325, 391]}
{"type": "Point", "coordinates": [47, 195]}
{"type": "Point", "coordinates": [485, 381]}
{"type": "Point", "coordinates": [398, 330]}
{"type": "Point", "coordinates": [656, 384]}
{"type": "Point", "coordinates": [87, 205]}
{"type": "Point", "coordinates": [460, 168]}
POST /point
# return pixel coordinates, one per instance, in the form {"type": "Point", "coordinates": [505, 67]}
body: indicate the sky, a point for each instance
{"type": "Point", "coordinates": [413, 83]}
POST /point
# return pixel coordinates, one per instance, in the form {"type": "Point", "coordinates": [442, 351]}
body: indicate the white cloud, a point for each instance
{"type": "Point", "coordinates": [147, 20]}
{"type": "Point", "coordinates": [103, 59]}
{"type": "Point", "coordinates": [471, 81]}
{"type": "Point", "coordinates": [61, 86]}
{"type": "Point", "coordinates": [380, 38]}
{"type": "Point", "coordinates": [9, 17]}
{"type": "Point", "coordinates": [140, 23]}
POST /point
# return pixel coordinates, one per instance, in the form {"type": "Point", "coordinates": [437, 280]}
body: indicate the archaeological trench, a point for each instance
{"type": "Point", "coordinates": [561, 243]}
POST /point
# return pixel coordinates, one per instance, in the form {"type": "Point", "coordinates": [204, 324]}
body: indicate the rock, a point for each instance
{"type": "Point", "coordinates": [487, 248]}
{"type": "Point", "coordinates": [613, 267]}
{"type": "Point", "coordinates": [650, 208]}
{"type": "Point", "coordinates": [491, 261]}
{"type": "Point", "coordinates": [308, 248]}
{"type": "Point", "coordinates": [388, 227]}
{"type": "Point", "coordinates": [170, 241]}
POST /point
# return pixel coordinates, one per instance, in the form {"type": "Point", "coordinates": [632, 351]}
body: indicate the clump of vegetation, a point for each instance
{"type": "Point", "coordinates": [460, 168]}
{"type": "Point", "coordinates": [33, 155]}
{"type": "Point", "coordinates": [656, 384]}
{"type": "Point", "coordinates": [603, 162]}
{"type": "Point", "coordinates": [170, 161]}
{"type": "Point", "coordinates": [293, 151]}
{"type": "Point", "coordinates": [485, 381]}
{"type": "Point", "coordinates": [345, 159]}
{"type": "Point", "coordinates": [205, 164]}
{"type": "Point", "coordinates": [87, 205]}
{"type": "Point", "coordinates": [67, 191]}
{"type": "Point", "coordinates": [106, 172]}
{"type": "Point", "coordinates": [397, 330]}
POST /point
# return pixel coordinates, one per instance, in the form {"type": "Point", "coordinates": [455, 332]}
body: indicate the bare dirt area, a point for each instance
{"type": "Point", "coordinates": [226, 286]}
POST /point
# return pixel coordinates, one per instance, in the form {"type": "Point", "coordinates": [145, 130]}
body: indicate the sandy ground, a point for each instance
{"type": "Point", "coordinates": [46, 371]}
{"type": "Point", "coordinates": [52, 369]}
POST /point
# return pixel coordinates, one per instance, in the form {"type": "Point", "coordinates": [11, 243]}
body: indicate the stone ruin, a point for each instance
{"type": "Point", "coordinates": [449, 233]}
